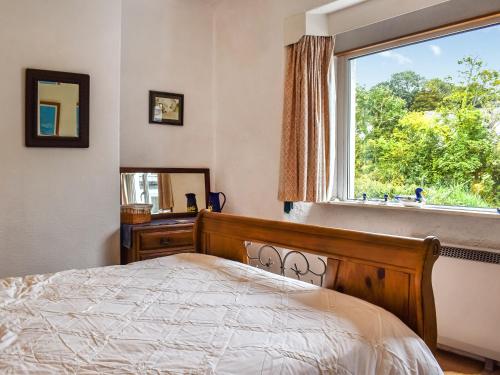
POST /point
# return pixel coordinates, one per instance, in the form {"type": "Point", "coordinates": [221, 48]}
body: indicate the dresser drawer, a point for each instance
{"type": "Point", "coordinates": [165, 240]}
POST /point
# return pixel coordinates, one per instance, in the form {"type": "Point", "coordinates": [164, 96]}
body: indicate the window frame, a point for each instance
{"type": "Point", "coordinates": [345, 113]}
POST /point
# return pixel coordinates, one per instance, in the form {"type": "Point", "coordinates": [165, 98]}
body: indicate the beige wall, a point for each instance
{"type": "Point", "coordinates": [249, 69]}
{"type": "Point", "coordinates": [59, 207]}
{"type": "Point", "coordinates": [167, 46]}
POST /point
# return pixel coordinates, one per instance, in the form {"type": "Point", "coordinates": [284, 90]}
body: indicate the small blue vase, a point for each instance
{"type": "Point", "coordinates": [191, 202]}
{"type": "Point", "coordinates": [214, 201]}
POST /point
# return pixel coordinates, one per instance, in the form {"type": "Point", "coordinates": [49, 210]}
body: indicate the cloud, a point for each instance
{"type": "Point", "coordinates": [436, 50]}
{"type": "Point", "coordinates": [401, 59]}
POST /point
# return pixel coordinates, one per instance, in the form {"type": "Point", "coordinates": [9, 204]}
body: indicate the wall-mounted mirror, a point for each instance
{"type": "Point", "coordinates": [171, 191]}
{"type": "Point", "coordinates": [57, 107]}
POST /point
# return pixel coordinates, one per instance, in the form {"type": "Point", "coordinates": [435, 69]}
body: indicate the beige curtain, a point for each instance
{"type": "Point", "coordinates": [165, 192]}
{"type": "Point", "coordinates": [128, 188]}
{"type": "Point", "coordinates": [305, 169]}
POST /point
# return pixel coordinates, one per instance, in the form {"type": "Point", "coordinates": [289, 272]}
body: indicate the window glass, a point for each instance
{"type": "Point", "coordinates": [427, 116]}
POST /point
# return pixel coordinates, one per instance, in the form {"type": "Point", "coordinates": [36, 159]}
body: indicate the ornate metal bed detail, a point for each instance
{"type": "Point", "coordinates": [392, 272]}
{"type": "Point", "coordinates": [282, 262]}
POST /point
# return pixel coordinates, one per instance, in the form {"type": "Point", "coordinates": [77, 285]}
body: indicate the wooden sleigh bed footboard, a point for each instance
{"type": "Point", "coordinates": [389, 271]}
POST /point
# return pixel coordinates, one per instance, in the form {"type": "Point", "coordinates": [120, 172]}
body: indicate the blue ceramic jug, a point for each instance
{"type": "Point", "coordinates": [191, 202]}
{"type": "Point", "coordinates": [214, 201]}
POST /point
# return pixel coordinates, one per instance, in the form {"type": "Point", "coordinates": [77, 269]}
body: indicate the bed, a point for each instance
{"type": "Point", "coordinates": [211, 313]}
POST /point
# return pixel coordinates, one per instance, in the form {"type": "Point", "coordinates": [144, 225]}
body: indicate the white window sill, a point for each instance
{"type": "Point", "coordinates": [463, 211]}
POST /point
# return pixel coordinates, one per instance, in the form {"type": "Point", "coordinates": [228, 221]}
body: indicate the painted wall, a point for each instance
{"type": "Point", "coordinates": [59, 207]}
{"type": "Point", "coordinates": [249, 70]}
{"type": "Point", "coordinates": [167, 46]}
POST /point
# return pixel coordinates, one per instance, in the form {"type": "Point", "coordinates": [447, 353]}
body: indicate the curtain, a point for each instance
{"type": "Point", "coordinates": [128, 188]}
{"type": "Point", "coordinates": [305, 166]}
{"type": "Point", "coordinates": [165, 192]}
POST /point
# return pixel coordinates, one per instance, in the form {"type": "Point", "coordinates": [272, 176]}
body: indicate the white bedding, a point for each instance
{"type": "Point", "coordinates": [196, 314]}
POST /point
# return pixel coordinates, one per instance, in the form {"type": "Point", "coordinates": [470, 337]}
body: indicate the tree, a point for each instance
{"type": "Point", "coordinates": [409, 154]}
{"type": "Point", "coordinates": [477, 88]}
{"type": "Point", "coordinates": [405, 85]}
{"type": "Point", "coordinates": [378, 111]}
{"type": "Point", "coordinates": [471, 110]}
{"type": "Point", "coordinates": [431, 96]}
{"type": "Point", "coordinates": [453, 149]}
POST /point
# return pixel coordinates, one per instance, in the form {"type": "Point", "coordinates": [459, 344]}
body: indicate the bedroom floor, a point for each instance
{"type": "Point", "coordinates": [453, 363]}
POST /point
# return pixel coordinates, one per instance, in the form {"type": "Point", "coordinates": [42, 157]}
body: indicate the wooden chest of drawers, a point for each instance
{"type": "Point", "coordinates": [153, 241]}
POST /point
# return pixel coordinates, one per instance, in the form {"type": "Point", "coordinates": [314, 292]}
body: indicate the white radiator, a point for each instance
{"type": "Point", "coordinates": [466, 285]}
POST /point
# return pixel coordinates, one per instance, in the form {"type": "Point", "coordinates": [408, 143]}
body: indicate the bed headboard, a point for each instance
{"type": "Point", "coordinates": [389, 271]}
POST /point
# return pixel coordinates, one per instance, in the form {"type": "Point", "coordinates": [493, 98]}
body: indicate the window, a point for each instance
{"type": "Point", "coordinates": [425, 114]}
{"type": "Point", "coordinates": [143, 189]}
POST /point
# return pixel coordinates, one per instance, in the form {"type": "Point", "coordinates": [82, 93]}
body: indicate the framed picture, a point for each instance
{"type": "Point", "coordinates": [166, 108]}
{"type": "Point", "coordinates": [49, 119]}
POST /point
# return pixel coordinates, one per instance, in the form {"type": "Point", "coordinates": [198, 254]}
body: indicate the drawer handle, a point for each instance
{"type": "Point", "coordinates": [164, 241]}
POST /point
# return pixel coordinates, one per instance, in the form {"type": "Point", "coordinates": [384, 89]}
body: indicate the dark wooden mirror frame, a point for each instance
{"type": "Point", "coordinates": [33, 76]}
{"type": "Point", "coordinates": [205, 171]}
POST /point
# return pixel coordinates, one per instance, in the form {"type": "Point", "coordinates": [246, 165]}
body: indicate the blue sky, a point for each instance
{"type": "Point", "coordinates": [432, 59]}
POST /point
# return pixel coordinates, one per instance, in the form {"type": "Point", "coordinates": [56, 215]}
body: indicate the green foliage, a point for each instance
{"type": "Point", "coordinates": [478, 88]}
{"type": "Point", "coordinates": [405, 85]}
{"type": "Point", "coordinates": [431, 95]}
{"type": "Point", "coordinates": [378, 111]}
{"type": "Point", "coordinates": [437, 134]}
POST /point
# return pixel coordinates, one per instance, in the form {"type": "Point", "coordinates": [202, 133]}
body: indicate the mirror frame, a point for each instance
{"type": "Point", "coordinates": [205, 171]}
{"type": "Point", "coordinates": [33, 76]}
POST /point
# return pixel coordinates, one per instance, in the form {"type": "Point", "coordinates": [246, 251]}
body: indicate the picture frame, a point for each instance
{"type": "Point", "coordinates": [49, 119]}
{"type": "Point", "coordinates": [166, 108]}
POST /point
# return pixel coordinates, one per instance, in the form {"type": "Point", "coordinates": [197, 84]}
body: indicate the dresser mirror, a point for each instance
{"type": "Point", "coordinates": [171, 191]}
{"type": "Point", "coordinates": [57, 109]}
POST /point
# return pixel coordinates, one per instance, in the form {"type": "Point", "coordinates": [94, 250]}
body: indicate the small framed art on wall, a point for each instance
{"type": "Point", "coordinates": [166, 108]}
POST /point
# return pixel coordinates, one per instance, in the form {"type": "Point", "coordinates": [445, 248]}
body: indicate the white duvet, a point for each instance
{"type": "Point", "coordinates": [196, 314]}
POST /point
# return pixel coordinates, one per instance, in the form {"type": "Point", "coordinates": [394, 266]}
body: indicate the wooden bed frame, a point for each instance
{"type": "Point", "coordinates": [389, 271]}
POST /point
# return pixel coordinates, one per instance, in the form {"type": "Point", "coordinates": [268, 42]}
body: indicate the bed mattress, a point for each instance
{"type": "Point", "coordinates": [196, 314]}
